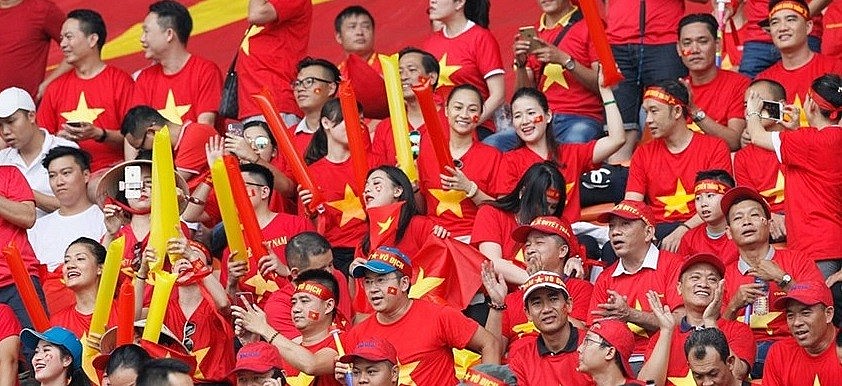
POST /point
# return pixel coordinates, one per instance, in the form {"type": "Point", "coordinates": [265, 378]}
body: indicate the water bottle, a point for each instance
{"type": "Point", "coordinates": [761, 304]}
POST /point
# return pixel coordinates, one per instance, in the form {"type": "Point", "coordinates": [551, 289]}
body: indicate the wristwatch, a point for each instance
{"type": "Point", "coordinates": [785, 280]}
{"type": "Point", "coordinates": [569, 64]}
{"type": "Point", "coordinates": [699, 116]}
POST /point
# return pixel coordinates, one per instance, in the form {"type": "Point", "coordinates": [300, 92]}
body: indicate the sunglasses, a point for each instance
{"type": "Point", "coordinates": [259, 142]}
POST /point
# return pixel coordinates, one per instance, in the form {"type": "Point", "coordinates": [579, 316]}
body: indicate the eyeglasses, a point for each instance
{"type": "Point", "coordinates": [260, 142]}
{"type": "Point", "coordinates": [599, 343]}
{"type": "Point", "coordinates": [307, 82]}
{"type": "Point", "coordinates": [189, 330]}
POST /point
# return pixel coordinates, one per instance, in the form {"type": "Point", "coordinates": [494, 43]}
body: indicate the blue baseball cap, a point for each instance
{"type": "Point", "coordinates": [384, 260]}
{"type": "Point", "coordinates": [58, 336]}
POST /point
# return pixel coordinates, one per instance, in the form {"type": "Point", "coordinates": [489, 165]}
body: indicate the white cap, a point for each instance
{"type": "Point", "coordinates": [13, 99]}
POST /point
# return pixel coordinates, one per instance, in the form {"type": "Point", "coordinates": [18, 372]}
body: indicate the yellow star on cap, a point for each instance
{"type": "Point", "coordinates": [554, 74]}
{"type": "Point", "coordinates": [200, 356]}
{"type": "Point", "coordinates": [686, 380]}
{"type": "Point", "coordinates": [761, 321]}
{"type": "Point", "coordinates": [423, 285]}
{"type": "Point", "coordinates": [350, 206]}
{"type": "Point", "coordinates": [448, 200]}
{"type": "Point", "coordinates": [173, 112]}
{"type": "Point", "coordinates": [302, 379]}
{"type": "Point", "coordinates": [777, 191]}
{"type": "Point", "coordinates": [384, 226]}
{"type": "Point", "coordinates": [637, 330]}
{"type": "Point", "coordinates": [254, 30]}
{"type": "Point", "coordinates": [678, 201]}
{"type": "Point", "coordinates": [445, 71]}
{"type": "Point", "coordinates": [83, 113]}
{"type": "Point", "coordinates": [261, 285]}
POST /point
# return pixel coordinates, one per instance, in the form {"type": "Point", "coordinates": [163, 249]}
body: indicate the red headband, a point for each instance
{"type": "Point", "coordinates": [825, 105]}
{"type": "Point", "coordinates": [660, 95]}
{"type": "Point", "coordinates": [710, 186]}
{"type": "Point", "coordinates": [553, 194]}
{"type": "Point", "coordinates": [314, 289]}
{"type": "Point", "coordinates": [792, 6]}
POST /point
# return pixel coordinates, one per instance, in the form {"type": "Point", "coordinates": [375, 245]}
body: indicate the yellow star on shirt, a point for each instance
{"type": "Point", "coordinates": [678, 201]}
{"type": "Point", "coordinates": [686, 380]}
{"type": "Point", "coordinates": [350, 206]}
{"type": "Point", "coordinates": [816, 381]}
{"type": "Point", "coordinates": [694, 127]}
{"type": "Point", "coordinates": [637, 330]}
{"type": "Point", "coordinates": [384, 226]}
{"type": "Point", "coordinates": [726, 62]}
{"type": "Point", "coordinates": [83, 113]}
{"type": "Point", "coordinates": [173, 112]}
{"type": "Point", "coordinates": [445, 71]}
{"type": "Point", "coordinates": [254, 30]}
{"type": "Point", "coordinates": [777, 191]}
{"type": "Point", "coordinates": [761, 321]}
{"type": "Point", "coordinates": [261, 285]}
{"type": "Point", "coordinates": [302, 379]}
{"type": "Point", "coordinates": [554, 74]}
{"type": "Point", "coordinates": [448, 200]}
{"type": "Point", "coordinates": [200, 356]}
{"type": "Point", "coordinates": [423, 285]}
{"type": "Point", "coordinates": [802, 116]}
{"type": "Point", "coordinates": [405, 371]}
{"type": "Point", "coordinates": [567, 188]}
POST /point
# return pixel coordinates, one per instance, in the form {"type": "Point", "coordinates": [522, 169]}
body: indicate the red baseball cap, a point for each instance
{"type": "Point", "coordinates": [373, 349]}
{"type": "Point", "coordinates": [808, 293]}
{"type": "Point", "coordinates": [259, 357]}
{"type": "Point", "coordinates": [545, 224]}
{"type": "Point", "coordinates": [706, 258]}
{"type": "Point", "coordinates": [739, 194]}
{"type": "Point", "coordinates": [618, 335]}
{"type": "Point", "coordinates": [630, 210]}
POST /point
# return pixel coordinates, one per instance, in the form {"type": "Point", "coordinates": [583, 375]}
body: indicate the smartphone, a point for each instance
{"type": "Point", "coordinates": [249, 298]}
{"type": "Point", "coordinates": [75, 124]}
{"type": "Point", "coordinates": [132, 181]}
{"type": "Point", "coordinates": [236, 128]}
{"type": "Point", "coordinates": [528, 34]}
{"type": "Point", "coordinates": [774, 110]}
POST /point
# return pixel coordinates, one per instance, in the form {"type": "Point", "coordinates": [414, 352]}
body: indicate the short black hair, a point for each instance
{"type": "Point", "coordinates": [304, 245]}
{"type": "Point", "coordinates": [705, 18]}
{"type": "Point", "coordinates": [261, 173]}
{"type": "Point", "coordinates": [265, 127]}
{"type": "Point", "coordinates": [829, 87]}
{"type": "Point", "coordinates": [678, 90]}
{"type": "Point", "coordinates": [468, 87]}
{"type": "Point", "coordinates": [172, 14]}
{"type": "Point", "coordinates": [324, 63]}
{"type": "Point", "coordinates": [716, 175]}
{"type": "Point", "coordinates": [90, 22]}
{"type": "Point", "coordinates": [778, 91]}
{"type": "Point", "coordinates": [157, 371]}
{"type": "Point", "coordinates": [699, 340]}
{"type": "Point", "coordinates": [127, 356]}
{"type": "Point", "coordinates": [354, 10]}
{"type": "Point", "coordinates": [139, 118]}
{"type": "Point", "coordinates": [428, 61]}
{"type": "Point", "coordinates": [324, 278]}
{"type": "Point", "coordinates": [82, 158]}
{"type": "Point", "coordinates": [96, 248]}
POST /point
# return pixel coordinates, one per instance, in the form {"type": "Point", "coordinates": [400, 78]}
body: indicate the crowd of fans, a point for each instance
{"type": "Point", "coordinates": [681, 227]}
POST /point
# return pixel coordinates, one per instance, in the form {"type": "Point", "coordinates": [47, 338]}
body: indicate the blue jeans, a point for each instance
{"type": "Point", "coordinates": [760, 358]}
{"type": "Point", "coordinates": [567, 128]}
{"type": "Point", "coordinates": [758, 56]}
{"type": "Point", "coordinates": [643, 66]}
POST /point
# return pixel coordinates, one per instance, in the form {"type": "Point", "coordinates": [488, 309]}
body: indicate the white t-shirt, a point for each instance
{"type": "Point", "coordinates": [53, 233]}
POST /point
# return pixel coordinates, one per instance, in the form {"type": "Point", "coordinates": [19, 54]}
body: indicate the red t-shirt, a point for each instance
{"type": "Point", "coordinates": [814, 190]}
{"type": "Point", "coordinates": [798, 81]}
{"type": "Point", "coordinates": [496, 226]}
{"type": "Point", "coordinates": [295, 377]}
{"type": "Point", "coordinates": [269, 55]}
{"type": "Point", "coordinates": [756, 11]}
{"type": "Point", "coordinates": [12, 326]}
{"type": "Point", "coordinates": [424, 339]}
{"type": "Point", "coordinates": [662, 16]}
{"type": "Point", "coordinates": [739, 337]}
{"type": "Point", "coordinates": [182, 96]}
{"type": "Point", "coordinates": [771, 326]}
{"type": "Point", "coordinates": [77, 322]}
{"type": "Point", "coordinates": [102, 100]}
{"type": "Point", "coordinates": [27, 30]}
{"type": "Point", "coordinates": [760, 169]}
{"type": "Point", "coordinates": [344, 215]}
{"type": "Point", "coordinates": [732, 51]}
{"type": "Point", "coordinates": [13, 187]}
{"type": "Point", "coordinates": [832, 38]}
{"type": "Point", "coordinates": [696, 240]}
{"type": "Point", "coordinates": [666, 180]}
{"type": "Point", "coordinates": [470, 57]}
{"type": "Point", "coordinates": [278, 306]}
{"type": "Point", "coordinates": [383, 143]}
{"type": "Point", "coordinates": [533, 363]}
{"type": "Point", "coordinates": [573, 160]}
{"type": "Point", "coordinates": [212, 337]}
{"type": "Point", "coordinates": [453, 209]}
{"type": "Point", "coordinates": [788, 364]}
{"type": "Point", "coordinates": [517, 325]}
{"type": "Point", "coordinates": [189, 153]}
{"type": "Point", "coordinates": [722, 98]}
{"type": "Point", "coordinates": [564, 92]}
{"type": "Point", "coordinates": [635, 286]}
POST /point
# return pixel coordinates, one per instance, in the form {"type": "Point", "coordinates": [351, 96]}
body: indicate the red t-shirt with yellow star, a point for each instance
{"type": "Point", "coordinates": [182, 96]}
{"type": "Point", "coordinates": [634, 286]}
{"type": "Point", "coordinates": [798, 81]}
{"type": "Point", "coordinates": [424, 339]}
{"type": "Point", "coordinates": [739, 337]}
{"type": "Point", "coordinates": [697, 240]}
{"type": "Point", "coordinates": [814, 188]}
{"type": "Point", "coordinates": [295, 377]}
{"type": "Point", "coordinates": [344, 215]}
{"type": "Point", "coordinates": [209, 334]}
{"type": "Point", "coordinates": [788, 364]}
{"type": "Point", "coordinates": [666, 179]}
{"type": "Point", "coordinates": [496, 226]}
{"type": "Point", "coordinates": [564, 92]}
{"type": "Point", "coordinates": [573, 160]}
{"type": "Point", "coordinates": [189, 152]}
{"type": "Point", "coordinates": [771, 326]}
{"type": "Point", "coordinates": [760, 169]}
{"type": "Point", "coordinates": [517, 325]}
{"type": "Point", "coordinates": [470, 57]}
{"type": "Point", "coordinates": [534, 364]}
{"type": "Point", "coordinates": [102, 100]}
{"type": "Point", "coordinates": [269, 54]}
{"type": "Point", "coordinates": [722, 98]}
{"type": "Point", "coordinates": [77, 322]}
{"type": "Point", "coordinates": [452, 209]}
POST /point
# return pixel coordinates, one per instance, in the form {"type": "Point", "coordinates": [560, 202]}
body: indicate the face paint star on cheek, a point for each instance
{"type": "Point", "coordinates": [392, 291]}
{"type": "Point", "coordinates": [317, 91]}
{"type": "Point", "coordinates": [538, 119]}
{"type": "Point", "coordinates": [475, 118]}
{"type": "Point", "coordinates": [313, 315]}
{"type": "Point", "coordinates": [686, 52]}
